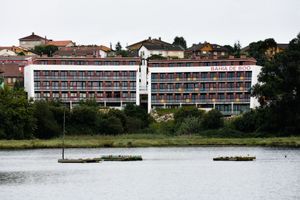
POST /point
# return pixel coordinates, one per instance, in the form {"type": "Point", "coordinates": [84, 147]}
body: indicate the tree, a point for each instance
{"type": "Point", "coordinates": [48, 50]}
{"type": "Point", "coordinates": [16, 115]}
{"type": "Point", "coordinates": [237, 49]}
{"type": "Point", "coordinates": [180, 42]}
{"type": "Point", "coordinates": [121, 52]}
{"type": "Point", "coordinates": [258, 50]}
{"type": "Point", "coordinates": [278, 90]}
{"type": "Point", "coordinates": [138, 112]}
{"type": "Point", "coordinates": [47, 126]}
{"type": "Point", "coordinates": [118, 47]}
{"type": "Point", "coordinates": [213, 119]}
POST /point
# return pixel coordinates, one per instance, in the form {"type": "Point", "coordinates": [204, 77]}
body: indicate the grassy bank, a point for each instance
{"type": "Point", "coordinates": [142, 140]}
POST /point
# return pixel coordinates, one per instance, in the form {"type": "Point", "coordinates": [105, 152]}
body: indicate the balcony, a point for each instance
{"type": "Point", "coordinates": [77, 99]}
{"type": "Point", "coordinates": [85, 88]}
{"type": "Point", "coordinates": [83, 78]}
{"type": "Point", "coordinates": [199, 90]}
{"type": "Point", "coordinates": [179, 80]}
{"type": "Point", "coordinates": [198, 101]}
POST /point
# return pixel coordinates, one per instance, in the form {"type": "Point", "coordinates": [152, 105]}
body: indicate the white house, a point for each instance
{"type": "Point", "coordinates": [165, 50]}
{"type": "Point", "coordinates": [7, 52]}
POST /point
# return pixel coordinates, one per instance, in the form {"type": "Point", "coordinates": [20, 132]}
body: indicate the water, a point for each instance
{"type": "Point", "coordinates": [166, 173]}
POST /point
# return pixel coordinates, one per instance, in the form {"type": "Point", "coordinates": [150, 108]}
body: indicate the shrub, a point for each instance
{"type": "Point", "coordinates": [167, 128]}
{"type": "Point", "coordinates": [138, 112]}
{"type": "Point", "coordinates": [213, 119]}
{"type": "Point", "coordinates": [246, 122]}
{"type": "Point", "coordinates": [133, 124]}
{"type": "Point", "coordinates": [189, 125]}
{"type": "Point", "coordinates": [186, 112]}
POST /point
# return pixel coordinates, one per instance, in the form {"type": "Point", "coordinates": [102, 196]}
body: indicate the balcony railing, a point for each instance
{"type": "Point", "coordinates": [183, 90]}
{"type": "Point", "coordinates": [77, 99]}
{"type": "Point", "coordinates": [201, 79]}
{"type": "Point", "coordinates": [86, 78]}
{"type": "Point", "coordinates": [198, 101]}
{"type": "Point", "coordinates": [71, 88]}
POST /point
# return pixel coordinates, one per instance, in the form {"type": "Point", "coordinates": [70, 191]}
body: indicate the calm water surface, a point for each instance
{"type": "Point", "coordinates": [166, 173]}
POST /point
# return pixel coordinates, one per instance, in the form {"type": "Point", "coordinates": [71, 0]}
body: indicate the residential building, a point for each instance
{"type": "Point", "coordinates": [149, 47]}
{"type": "Point", "coordinates": [61, 43]}
{"type": "Point", "coordinates": [84, 51]}
{"type": "Point", "coordinates": [164, 50]}
{"type": "Point", "coordinates": [11, 73]}
{"type": "Point", "coordinates": [223, 84]}
{"type": "Point", "coordinates": [29, 42]}
{"type": "Point", "coordinates": [270, 52]}
{"type": "Point", "coordinates": [206, 50]}
{"type": "Point", "coordinates": [5, 51]}
{"type": "Point", "coordinates": [136, 46]}
{"type": "Point", "coordinates": [110, 81]}
{"type": "Point", "coordinates": [21, 61]}
{"type": "Point", "coordinates": [14, 51]}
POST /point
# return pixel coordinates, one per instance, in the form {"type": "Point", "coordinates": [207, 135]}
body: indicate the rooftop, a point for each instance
{"type": "Point", "coordinates": [32, 37]}
{"type": "Point", "coordinates": [10, 70]}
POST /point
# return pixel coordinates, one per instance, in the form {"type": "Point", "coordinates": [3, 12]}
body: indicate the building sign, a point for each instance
{"type": "Point", "coordinates": [231, 68]}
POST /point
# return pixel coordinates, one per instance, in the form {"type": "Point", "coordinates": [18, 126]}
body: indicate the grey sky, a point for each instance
{"type": "Point", "coordinates": [128, 21]}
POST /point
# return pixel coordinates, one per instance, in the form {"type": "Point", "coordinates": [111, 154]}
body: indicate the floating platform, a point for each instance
{"type": "Point", "coordinates": [80, 160]}
{"type": "Point", "coordinates": [235, 158]}
{"type": "Point", "coordinates": [121, 158]}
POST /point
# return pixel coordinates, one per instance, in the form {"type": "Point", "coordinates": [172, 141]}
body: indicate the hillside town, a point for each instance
{"type": "Point", "coordinates": [152, 73]}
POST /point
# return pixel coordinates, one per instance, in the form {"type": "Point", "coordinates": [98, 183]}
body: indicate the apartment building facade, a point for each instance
{"type": "Point", "coordinates": [111, 82]}
{"type": "Point", "coordinates": [221, 84]}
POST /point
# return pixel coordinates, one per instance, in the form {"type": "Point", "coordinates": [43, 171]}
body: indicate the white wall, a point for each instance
{"type": "Point", "coordinates": [102, 54]}
{"type": "Point", "coordinates": [7, 52]}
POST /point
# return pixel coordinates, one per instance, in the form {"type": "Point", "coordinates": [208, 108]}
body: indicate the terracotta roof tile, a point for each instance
{"type": "Point", "coordinates": [10, 70]}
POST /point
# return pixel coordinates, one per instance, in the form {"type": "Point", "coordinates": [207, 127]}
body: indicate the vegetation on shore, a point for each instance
{"type": "Point", "coordinates": [146, 140]}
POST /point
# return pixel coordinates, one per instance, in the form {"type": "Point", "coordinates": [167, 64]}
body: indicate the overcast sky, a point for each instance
{"type": "Point", "coordinates": [129, 21]}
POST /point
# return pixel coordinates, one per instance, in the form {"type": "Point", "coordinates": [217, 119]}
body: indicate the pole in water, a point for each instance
{"type": "Point", "coordinates": [63, 144]}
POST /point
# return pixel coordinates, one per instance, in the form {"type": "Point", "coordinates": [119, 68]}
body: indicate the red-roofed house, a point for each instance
{"type": "Point", "coordinates": [61, 43]}
{"type": "Point", "coordinates": [11, 74]}
{"type": "Point", "coordinates": [29, 42]}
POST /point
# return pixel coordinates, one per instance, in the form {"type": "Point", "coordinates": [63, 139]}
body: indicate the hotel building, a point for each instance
{"type": "Point", "coordinates": [110, 81]}
{"type": "Point", "coordinates": [221, 84]}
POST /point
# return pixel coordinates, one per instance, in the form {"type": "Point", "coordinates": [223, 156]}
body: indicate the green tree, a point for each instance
{"type": "Point", "coordinates": [83, 120]}
{"type": "Point", "coordinates": [138, 112]}
{"type": "Point", "coordinates": [213, 119]}
{"type": "Point", "coordinates": [237, 49]}
{"type": "Point", "coordinates": [258, 50]}
{"type": "Point", "coordinates": [118, 47]}
{"type": "Point", "coordinates": [48, 50]}
{"type": "Point", "coordinates": [278, 90]}
{"type": "Point", "coordinates": [180, 42]}
{"type": "Point", "coordinates": [16, 115]}
{"type": "Point", "coordinates": [47, 126]}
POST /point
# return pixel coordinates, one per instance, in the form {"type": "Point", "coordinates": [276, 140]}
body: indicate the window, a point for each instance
{"type": "Point", "coordinates": [64, 95]}
{"type": "Point", "coordinates": [73, 94]}
{"type": "Point", "coordinates": [55, 95]}
{"type": "Point", "coordinates": [90, 73]}
{"type": "Point", "coordinates": [64, 84]}
{"type": "Point", "coordinates": [63, 73]}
